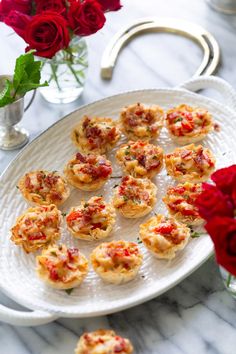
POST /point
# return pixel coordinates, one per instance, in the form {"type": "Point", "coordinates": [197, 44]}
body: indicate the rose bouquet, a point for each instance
{"type": "Point", "coordinates": [217, 206]}
{"type": "Point", "coordinates": [53, 28]}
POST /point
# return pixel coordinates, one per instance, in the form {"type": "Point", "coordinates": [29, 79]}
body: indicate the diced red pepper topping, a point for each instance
{"type": "Point", "coordinates": [189, 212]}
{"type": "Point", "coordinates": [73, 216]}
{"type": "Point", "coordinates": [37, 236]}
{"type": "Point", "coordinates": [164, 229]}
{"type": "Point", "coordinates": [185, 154]}
{"type": "Point", "coordinates": [179, 190]}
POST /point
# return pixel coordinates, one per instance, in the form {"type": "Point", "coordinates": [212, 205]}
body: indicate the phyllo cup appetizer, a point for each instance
{"type": "Point", "coordinates": [140, 159]}
{"type": "Point", "coordinates": [191, 163]}
{"type": "Point", "coordinates": [61, 267]}
{"type": "Point", "coordinates": [134, 197]}
{"type": "Point", "coordinates": [180, 201]}
{"type": "Point", "coordinates": [37, 228]}
{"type": "Point", "coordinates": [139, 122]}
{"type": "Point", "coordinates": [103, 341]}
{"type": "Point", "coordinates": [44, 187]}
{"type": "Point", "coordinates": [163, 236]}
{"type": "Point", "coordinates": [117, 261]}
{"type": "Point", "coordinates": [95, 134]}
{"type": "Point", "coordinates": [88, 172]}
{"type": "Point", "coordinates": [188, 124]}
{"type": "Point", "coordinates": [91, 220]}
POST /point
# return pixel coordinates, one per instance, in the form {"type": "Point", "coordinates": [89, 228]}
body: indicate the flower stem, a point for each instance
{"type": "Point", "coordinates": [75, 74]}
{"type": "Point", "coordinates": [54, 75]}
{"type": "Point", "coordinates": [228, 280]}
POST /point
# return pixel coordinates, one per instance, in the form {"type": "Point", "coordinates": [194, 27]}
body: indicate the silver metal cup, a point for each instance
{"type": "Point", "coordinates": [11, 136]}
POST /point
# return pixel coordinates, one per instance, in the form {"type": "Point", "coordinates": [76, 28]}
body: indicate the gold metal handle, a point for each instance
{"type": "Point", "coordinates": [210, 47]}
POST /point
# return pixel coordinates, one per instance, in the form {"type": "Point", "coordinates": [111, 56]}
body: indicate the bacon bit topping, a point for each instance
{"type": "Point", "coordinates": [85, 215]}
{"type": "Point", "coordinates": [121, 346]}
{"type": "Point", "coordinates": [80, 157]}
{"type": "Point", "coordinates": [129, 189]}
{"type": "Point", "coordinates": [50, 180]}
{"type": "Point", "coordinates": [55, 196]}
{"type": "Point", "coordinates": [95, 166]}
{"type": "Point", "coordinates": [216, 127]}
{"type": "Point", "coordinates": [86, 122]}
{"type": "Point", "coordinates": [120, 251]}
{"type": "Point", "coordinates": [93, 132]}
{"type": "Point", "coordinates": [98, 135]}
{"type": "Point", "coordinates": [185, 198]}
{"type": "Point", "coordinates": [28, 184]}
{"type": "Point", "coordinates": [97, 225]}
{"type": "Point", "coordinates": [186, 120]}
{"type": "Point", "coordinates": [45, 186]}
{"type": "Point", "coordinates": [112, 133]}
{"type": "Point", "coordinates": [72, 252]}
{"type": "Point", "coordinates": [137, 115]}
{"type": "Point", "coordinates": [53, 274]}
{"type": "Point", "coordinates": [142, 160]}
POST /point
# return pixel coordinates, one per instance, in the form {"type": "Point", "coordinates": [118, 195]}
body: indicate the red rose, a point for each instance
{"type": "Point", "coordinates": [233, 196]}
{"type": "Point", "coordinates": [85, 18]}
{"type": "Point", "coordinates": [223, 234]}
{"type": "Point", "coordinates": [212, 202]}
{"type": "Point", "coordinates": [58, 6]}
{"type": "Point", "coordinates": [225, 179]}
{"type": "Point", "coordinates": [6, 6]}
{"type": "Point", "coordinates": [18, 22]}
{"type": "Point", "coordinates": [110, 5]}
{"type": "Point", "coordinates": [47, 33]}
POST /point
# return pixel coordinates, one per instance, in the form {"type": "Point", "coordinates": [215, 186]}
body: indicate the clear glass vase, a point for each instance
{"type": "Point", "coordinates": [225, 6]}
{"type": "Point", "coordinates": [229, 281]}
{"type": "Point", "coordinates": [65, 73]}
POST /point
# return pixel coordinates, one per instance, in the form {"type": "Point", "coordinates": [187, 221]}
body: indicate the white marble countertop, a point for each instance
{"type": "Point", "coordinates": [197, 316]}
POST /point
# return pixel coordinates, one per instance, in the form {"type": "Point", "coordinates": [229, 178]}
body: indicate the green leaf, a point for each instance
{"type": "Point", "coordinates": [26, 74]}
{"type": "Point", "coordinates": [69, 291]}
{"type": "Point", "coordinates": [26, 78]}
{"type": "Point", "coordinates": [5, 95]}
{"type": "Point", "coordinates": [195, 234]}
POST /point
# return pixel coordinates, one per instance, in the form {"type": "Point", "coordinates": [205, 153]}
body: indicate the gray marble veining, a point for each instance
{"type": "Point", "coordinates": [197, 316]}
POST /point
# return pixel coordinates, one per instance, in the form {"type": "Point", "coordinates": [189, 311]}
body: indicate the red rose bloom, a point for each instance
{"type": "Point", "coordinates": [6, 6]}
{"type": "Point", "coordinates": [225, 179]}
{"type": "Point", "coordinates": [18, 22]}
{"type": "Point", "coordinates": [110, 5]}
{"type": "Point", "coordinates": [58, 6]}
{"type": "Point", "coordinates": [47, 33]}
{"type": "Point", "coordinates": [85, 18]}
{"type": "Point", "coordinates": [212, 202]}
{"type": "Point", "coordinates": [223, 233]}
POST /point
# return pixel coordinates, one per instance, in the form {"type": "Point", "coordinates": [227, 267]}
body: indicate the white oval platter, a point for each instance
{"type": "Point", "coordinates": [51, 150]}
